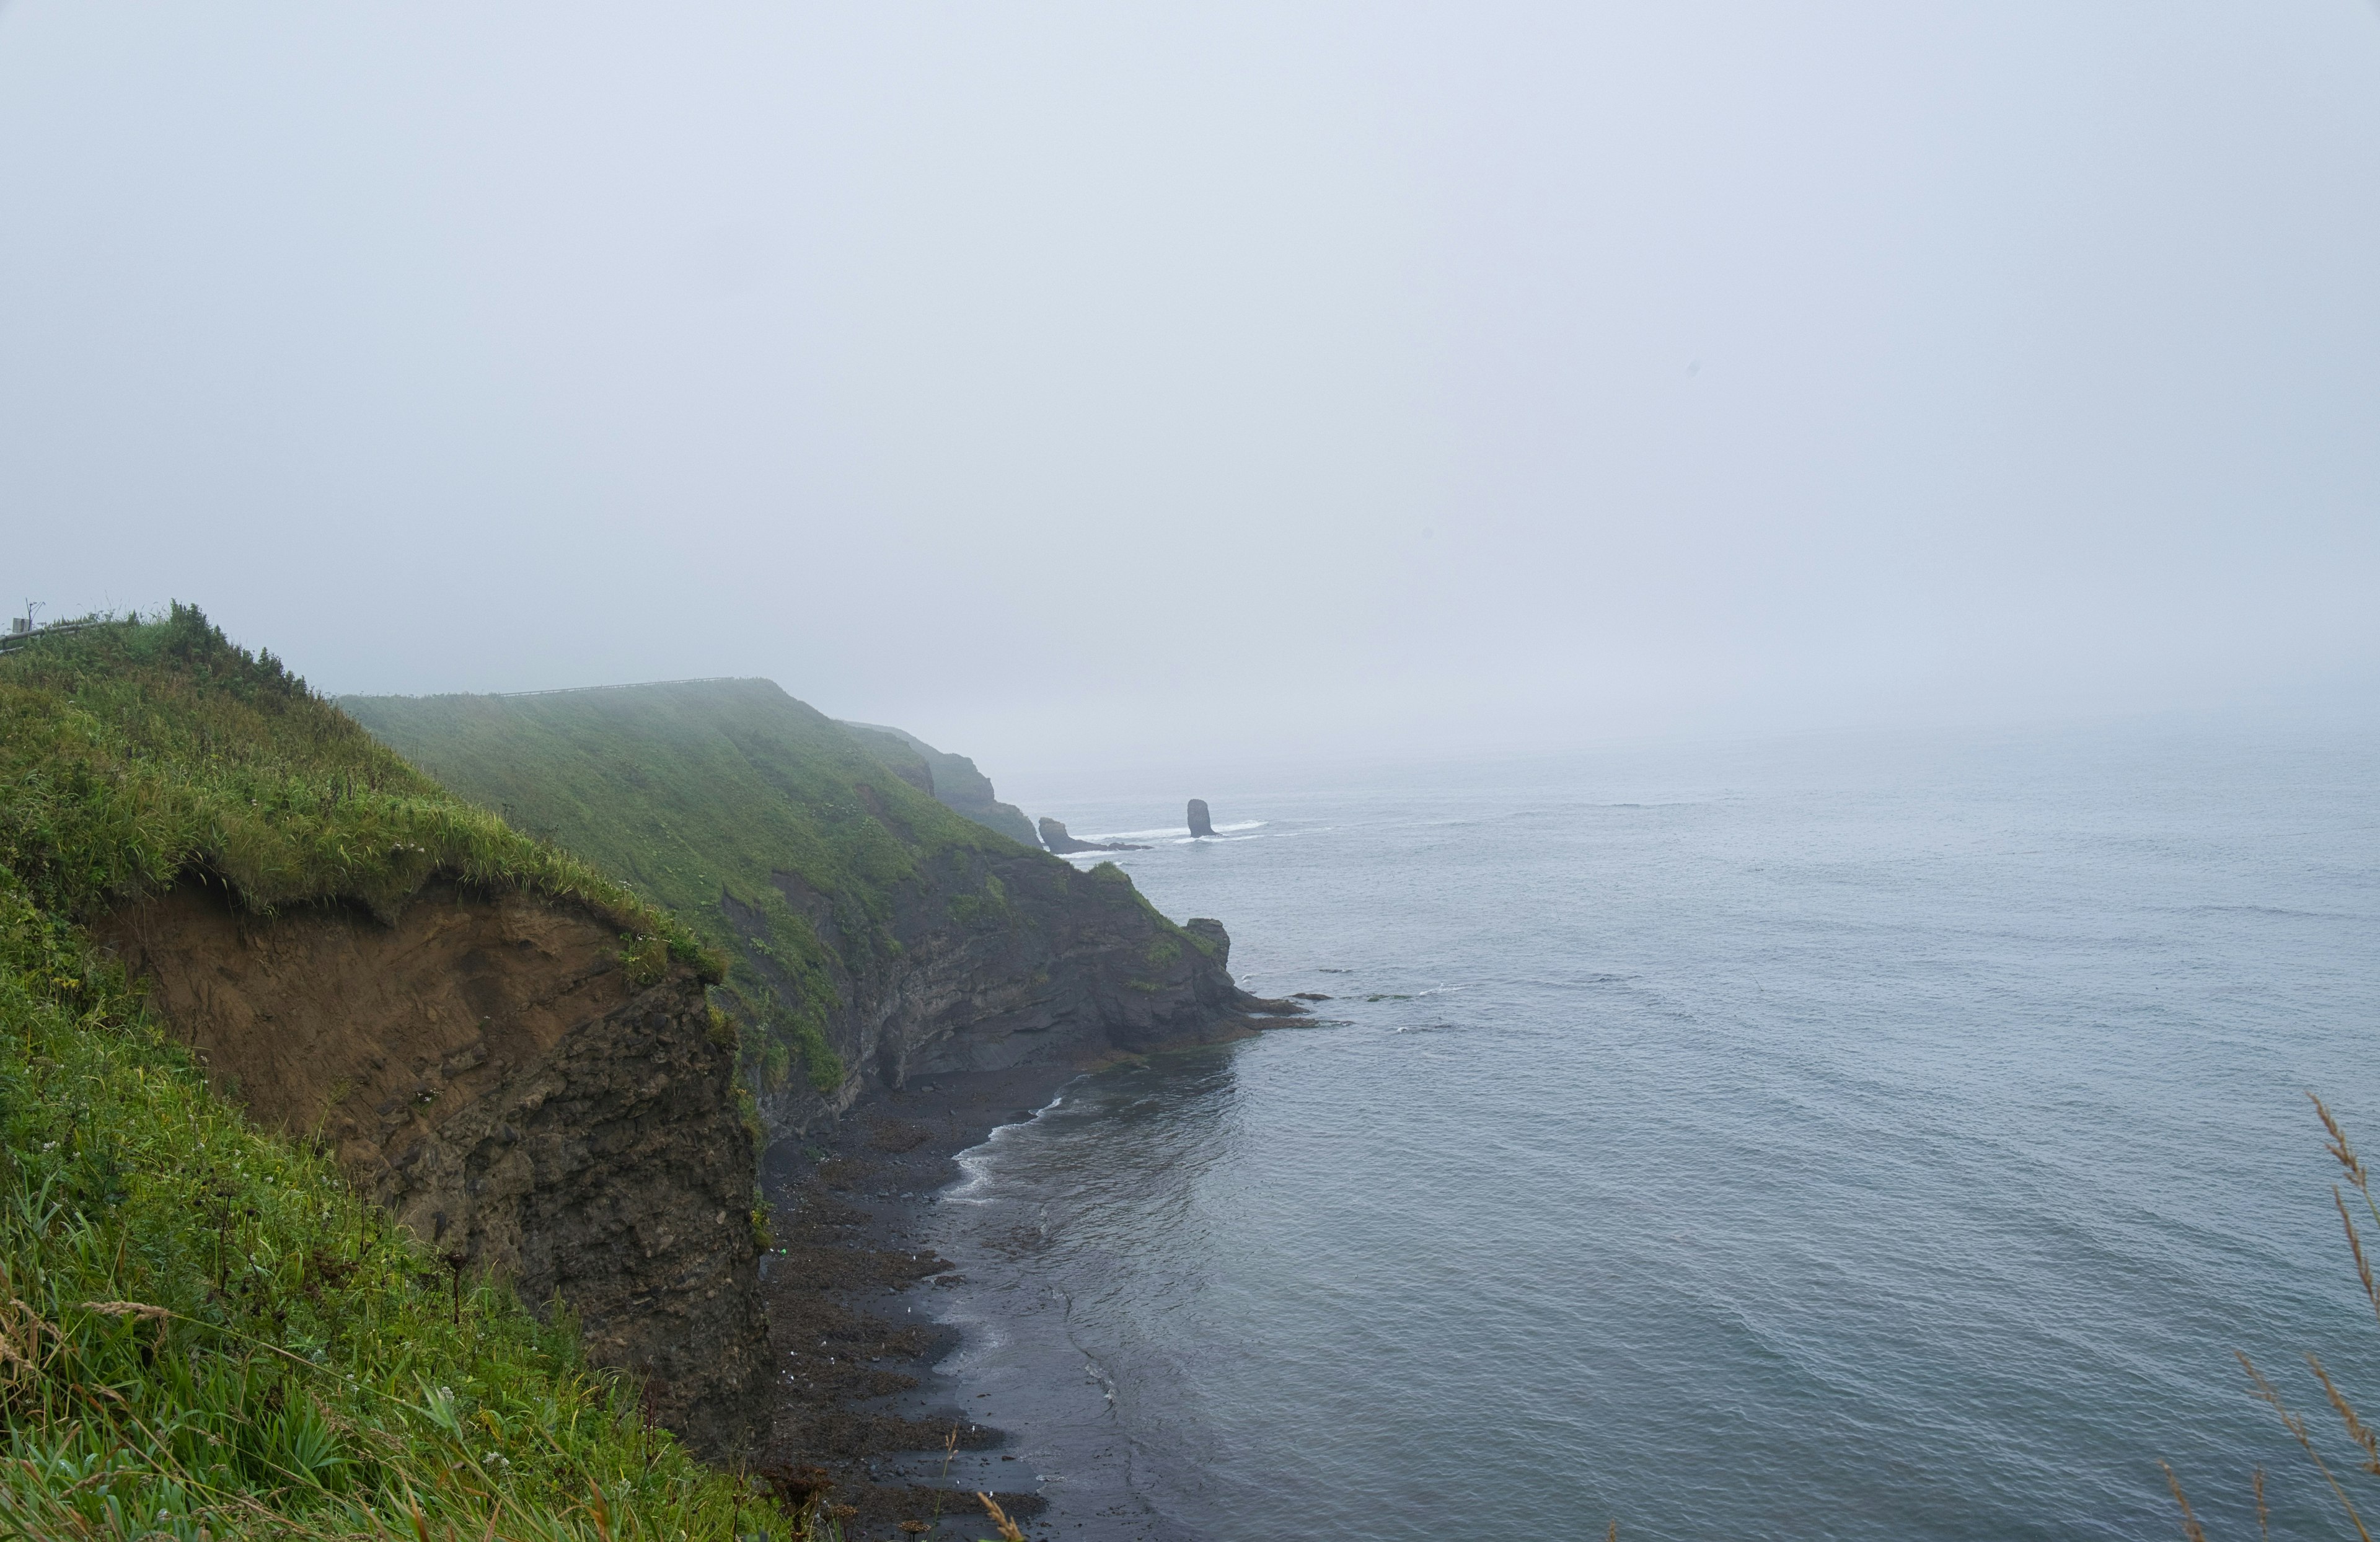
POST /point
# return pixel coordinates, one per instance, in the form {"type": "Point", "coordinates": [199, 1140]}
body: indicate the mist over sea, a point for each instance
{"type": "Point", "coordinates": [1850, 1137]}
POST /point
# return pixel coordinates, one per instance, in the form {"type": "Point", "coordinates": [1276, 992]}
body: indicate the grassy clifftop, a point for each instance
{"type": "Point", "coordinates": [706, 792]}
{"type": "Point", "coordinates": [206, 1333]}
{"type": "Point", "coordinates": [137, 754]}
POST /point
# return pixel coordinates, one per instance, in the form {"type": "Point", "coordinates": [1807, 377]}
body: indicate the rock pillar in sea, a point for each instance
{"type": "Point", "coordinates": [1200, 823]}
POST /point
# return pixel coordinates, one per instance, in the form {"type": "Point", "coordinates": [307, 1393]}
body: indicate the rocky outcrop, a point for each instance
{"type": "Point", "coordinates": [1054, 836]}
{"type": "Point", "coordinates": [1076, 969]}
{"type": "Point", "coordinates": [875, 934]}
{"type": "Point", "coordinates": [1201, 825]}
{"type": "Point", "coordinates": [1209, 930]}
{"type": "Point", "coordinates": [953, 780]}
{"type": "Point", "coordinates": [487, 1071]}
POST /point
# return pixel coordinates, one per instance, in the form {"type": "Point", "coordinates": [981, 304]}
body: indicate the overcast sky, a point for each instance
{"type": "Point", "coordinates": [1065, 381]}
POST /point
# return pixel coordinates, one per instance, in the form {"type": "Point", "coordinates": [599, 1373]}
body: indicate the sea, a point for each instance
{"type": "Point", "coordinates": [1859, 1136]}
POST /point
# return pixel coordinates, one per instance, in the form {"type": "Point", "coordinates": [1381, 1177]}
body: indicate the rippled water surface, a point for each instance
{"type": "Point", "coordinates": [1844, 1138]}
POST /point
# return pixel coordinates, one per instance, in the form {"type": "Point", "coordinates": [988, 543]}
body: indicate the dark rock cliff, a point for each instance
{"type": "Point", "coordinates": [1211, 930]}
{"type": "Point", "coordinates": [1076, 968]}
{"type": "Point", "coordinates": [876, 935]}
{"type": "Point", "coordinates": [485, 1069]}
{"type": "Point", "coordinates": [1202, 824]}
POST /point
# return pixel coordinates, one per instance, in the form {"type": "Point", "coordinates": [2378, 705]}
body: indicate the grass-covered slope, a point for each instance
{"type": "Point", "coordinates": [954, 780]}
{"type": "Point", "coordinates": [703, 791]}
{"type": "Point", "coordinates": [202, 1331]}
{"type": "Point", "coordinates": [134, 754]}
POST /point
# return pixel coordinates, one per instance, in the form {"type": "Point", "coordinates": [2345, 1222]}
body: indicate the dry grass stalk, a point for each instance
{"type": "Point", "coordinates": [2356, 1428]}
{"type": "Point", "coordinates": [2339, 1148]}
{"type": "Point", "coordinates": [2367, 1440]}
{"type": "Point", "coordinates": [2296, 1426]}
{"type": "Point", "coordinates": [2190, 1529]}
{"type": "Point", "coordinates": [1008, 1531]}
{"type": "Point", "coordinates": [2355, 1245]}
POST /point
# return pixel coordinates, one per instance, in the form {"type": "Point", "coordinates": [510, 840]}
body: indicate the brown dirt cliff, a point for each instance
{"type": "Point", "coordinates": [486, 1069]}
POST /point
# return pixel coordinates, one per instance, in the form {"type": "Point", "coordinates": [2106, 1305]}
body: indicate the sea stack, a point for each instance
{"type": "Point", "coordinates": [1200, 824]}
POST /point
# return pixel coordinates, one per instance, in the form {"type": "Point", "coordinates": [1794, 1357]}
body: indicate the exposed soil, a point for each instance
{"type": "Point", "coordinates": [483, 1068]}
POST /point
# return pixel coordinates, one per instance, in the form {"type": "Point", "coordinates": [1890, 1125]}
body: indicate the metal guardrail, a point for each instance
{"type": "Point", "coordinates": [632, 686]}
{"type": "Point", "coordinates": [11, 641]}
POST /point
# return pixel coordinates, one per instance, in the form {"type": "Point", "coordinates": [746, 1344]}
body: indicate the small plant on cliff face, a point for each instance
{"type": "Point", "coordinates": [645, 959]}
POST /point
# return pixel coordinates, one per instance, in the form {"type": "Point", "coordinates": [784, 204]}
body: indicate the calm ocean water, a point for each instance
{"type": "Point", "coordinates": [1851, 1138]}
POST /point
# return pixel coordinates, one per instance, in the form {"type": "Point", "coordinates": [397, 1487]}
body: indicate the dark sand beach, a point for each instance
{"type": "Point", "coordinates": [863, 1420]}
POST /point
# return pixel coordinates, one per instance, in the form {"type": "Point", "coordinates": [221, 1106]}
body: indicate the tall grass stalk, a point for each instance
{"type": "Point", "coordinates": [2360, 1435]}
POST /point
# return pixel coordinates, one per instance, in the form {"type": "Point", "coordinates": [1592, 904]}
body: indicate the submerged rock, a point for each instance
{"type": "Point", "coordinates": [1200, 823]}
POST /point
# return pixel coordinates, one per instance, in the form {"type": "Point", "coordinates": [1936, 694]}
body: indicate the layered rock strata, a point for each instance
{"type": "Point", "coordinates": [1078, 969]}
{"type": "Point", "coordinates": [486, 1069]}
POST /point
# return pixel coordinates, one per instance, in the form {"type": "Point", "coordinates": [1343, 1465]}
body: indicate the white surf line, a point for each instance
{"type": "Point", "coordinates": [975, 1163]}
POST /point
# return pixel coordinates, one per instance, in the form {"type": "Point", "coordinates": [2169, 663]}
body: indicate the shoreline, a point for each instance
{"type": "Point", "coordinates": [863, 1418]}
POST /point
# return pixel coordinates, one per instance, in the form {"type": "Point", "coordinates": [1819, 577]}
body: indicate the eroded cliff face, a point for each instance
{"type": "Point", "coordinates": [1063, 967]}
{"type": "Point", "coordinates": [486, 1069]}
{"type": "Point", "coordinates": [878, 934]}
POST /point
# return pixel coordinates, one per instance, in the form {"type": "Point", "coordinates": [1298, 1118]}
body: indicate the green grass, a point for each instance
{"type": "Point", "coordinates": [132, 754]}
{"type": "Point", "coordinates": [698, 796]}
{"type": "Point", "coordinates": [204, 1333]}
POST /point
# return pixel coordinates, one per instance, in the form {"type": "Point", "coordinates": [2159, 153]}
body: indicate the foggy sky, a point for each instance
{"type": "Point", "coordinates": [1064, 382]}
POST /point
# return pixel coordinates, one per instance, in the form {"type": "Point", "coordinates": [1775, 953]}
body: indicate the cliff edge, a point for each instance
{"type": "Point", "coordinates": [952, 780]}
{"type": "Point", "coordinates": [508, 1051]}
{"type": "Point", "coordinates": [485, 1070]}
{"type": "Point", "coordinates": [875, 934]}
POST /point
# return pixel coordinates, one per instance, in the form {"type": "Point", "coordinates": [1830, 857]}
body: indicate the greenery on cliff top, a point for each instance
{"type": "Point", "coordinates": [203, 1332]}
{"type": "Point", "coordinates": [703, 792]}
{"type": "Point", "coordinates": [134, 753]}
{"type": "Point", "coordinates": [957, 783]}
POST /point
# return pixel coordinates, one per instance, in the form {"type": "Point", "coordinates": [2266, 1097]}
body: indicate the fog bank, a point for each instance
{"type": "Point", "coordinates": [1067, 382]}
